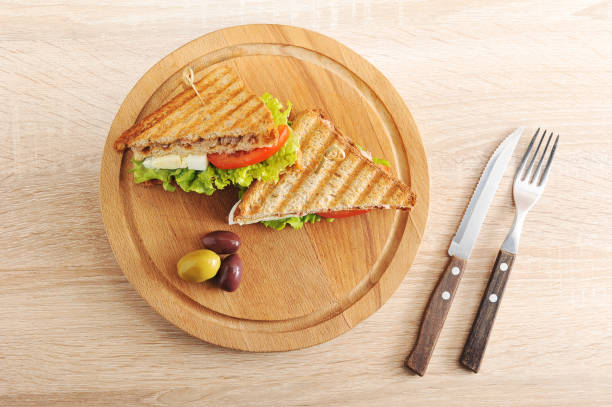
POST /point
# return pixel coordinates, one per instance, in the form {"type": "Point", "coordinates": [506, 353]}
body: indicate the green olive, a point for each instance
{"type": "Point", "coordinates": [198, 265]}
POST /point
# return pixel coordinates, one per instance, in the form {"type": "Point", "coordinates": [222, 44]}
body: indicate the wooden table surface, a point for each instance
{"type": "Point", "coordinates": [74, 332]}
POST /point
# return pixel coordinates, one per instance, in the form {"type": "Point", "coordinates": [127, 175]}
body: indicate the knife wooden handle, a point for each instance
{"type": "Point", "coordinates": [477, 341]}
{"type": "Point", "coordinates": [435, 315]}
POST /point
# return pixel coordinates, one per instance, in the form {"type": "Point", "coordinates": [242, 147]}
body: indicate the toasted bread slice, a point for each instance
{"type": "Point", "coordinates": [231, 118]}
{"type": "Point", "coordinates": [334, 176]}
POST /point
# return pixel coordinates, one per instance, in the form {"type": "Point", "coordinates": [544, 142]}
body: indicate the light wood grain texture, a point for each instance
{"type": "Point", "coordinates": [73, 331]}
{"type": "Point", "coordinates": [300, 287]}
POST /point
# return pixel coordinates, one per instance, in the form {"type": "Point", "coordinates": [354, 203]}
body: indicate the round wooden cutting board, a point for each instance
{"type": "Point", "coordinates": [300, 287]}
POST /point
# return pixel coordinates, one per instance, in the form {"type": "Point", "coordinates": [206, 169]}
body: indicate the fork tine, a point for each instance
{"type": "Point", "coordinates": [548, 163]}
{"type": "Point", "coordinates": [542, 157]}
{"type": "Point", "coordinates": [519, 172]}
{"type": "Point", "coordinates": [532, 161]}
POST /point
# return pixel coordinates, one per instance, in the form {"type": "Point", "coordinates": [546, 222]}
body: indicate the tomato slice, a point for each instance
{"type": "Point", "coordinates": [246, 158]}
{"type": "Point", "coordinates": [343, 214]}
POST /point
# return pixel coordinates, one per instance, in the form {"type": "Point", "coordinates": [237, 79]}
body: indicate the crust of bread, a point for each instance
{"type": "Point", "coordinates": [324, 184]}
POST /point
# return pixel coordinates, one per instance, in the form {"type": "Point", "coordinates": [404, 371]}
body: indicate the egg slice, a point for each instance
{"type": "Point", "coordinates": [174, 161]}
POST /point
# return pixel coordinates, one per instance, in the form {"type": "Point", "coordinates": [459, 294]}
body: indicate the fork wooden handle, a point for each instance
{"type": "Point", "coordinates": [435, 315]}
{"type": "Point", "coordinates": [481, 329]}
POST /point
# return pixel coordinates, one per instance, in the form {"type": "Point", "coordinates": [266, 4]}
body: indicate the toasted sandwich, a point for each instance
{"type": "Point", "coordinates": [333, 178]}
{"type": "Point", "coordinates": [220, 135]}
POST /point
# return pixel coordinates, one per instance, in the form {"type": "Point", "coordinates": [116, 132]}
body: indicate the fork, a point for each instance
{"type": "Point", "coordinates": [528, 187]}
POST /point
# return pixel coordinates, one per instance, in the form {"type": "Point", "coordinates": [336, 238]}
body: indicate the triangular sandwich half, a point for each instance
{"type": "Point", "coordinates": [228, 118]}
{"type": "Point", "coordinates": [332, 175]}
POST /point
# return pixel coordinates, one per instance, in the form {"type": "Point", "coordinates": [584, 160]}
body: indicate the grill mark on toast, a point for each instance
{"type": "Point", "coordinates": [223, 69]}
{"type": "Point", "coordinates": [249, 113]}
{"type": "Point", "coordinates": [368, 189]}
{"type": "Point", "coordinates": [213, 109]}
{"type": "Point", "coordinates": [299, 181]}
{"type": "Point", "coordinates": [309, 129]}
{"type": "Point", "coordinates": [187, 126]}
{"type": "Point", "coordinates": [226, 114]}
{"type": "Point", "coordinates": [208, 81]}
{"type": "Point", "coordinates": [305, 142]}
{"type": "Point", "coordinates": [353, 176]}
{"type": "Point", "coordinates": [202, 83]}
{"type": "Point", "coordinates": [322, 181]}
{"type": "Point", "coordinates": [262, 116]}
{"type": "Point", "coordinates": [203, 87]}
{"type": "Point", "coordinates": [306, 173]}
{"type": "Point", "coordinates": [209, 97]}
{"type": "Point", "coordinates": [380, 191]}
{"type": "Point", "coordinates": [387, 195]}
{"type": "Point", "coordinates": [264, 191]}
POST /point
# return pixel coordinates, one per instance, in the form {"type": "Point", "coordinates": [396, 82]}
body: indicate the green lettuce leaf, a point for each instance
{"type": "Point", "coordinates": [295, 222]}
{"type": "Point", "coordinates": [276, 107]}
{"type": "Point", "coordinates": [381, 161]}
{"type": "Point", "coordinates": [211, 179]}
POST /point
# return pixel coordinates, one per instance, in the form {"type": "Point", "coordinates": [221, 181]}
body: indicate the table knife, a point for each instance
{"type": "Point", "coordinates": [459, 251]}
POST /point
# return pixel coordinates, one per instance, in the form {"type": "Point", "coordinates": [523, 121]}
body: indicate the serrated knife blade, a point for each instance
{"type": "Point", "coordinates": [459, 251]}
{"type": "Point", "coordinates": [465, 238]}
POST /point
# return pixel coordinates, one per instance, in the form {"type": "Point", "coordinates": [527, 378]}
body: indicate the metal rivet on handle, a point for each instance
{"type": "Point", "coordinates": [503, 267]}
{"type": "Point", "coordinates": [445, 295]}
{"type": "Point", "coordinates": [455, 270]}
{"type": "Point", "coordinates": [493, 297]}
